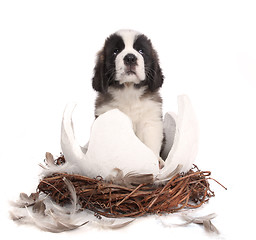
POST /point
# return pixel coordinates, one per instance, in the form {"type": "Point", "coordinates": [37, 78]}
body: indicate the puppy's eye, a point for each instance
{"type": "Point", "coordinates": [116, 51]}
{"type": "Point", "coordinates": [141, 51]}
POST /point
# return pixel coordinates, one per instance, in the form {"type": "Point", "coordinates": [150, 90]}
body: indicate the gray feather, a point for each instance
{"type": "Point", "coordinates": [49, 159]}
{"type": "Point", "coordinates": [47, 216]}
{"type": "Point", "coordinates": [73, 195]}
{"type": "Point", "coordinates": [113, 224]}
{"type": "Point", "coordinates": [130, 178]}
{"type": "Point", "coordinates": [204, 220]}
{"type": "Point", "coordinates": [25, 200]}
{"type": "Point", "coordinates": [39, 208]}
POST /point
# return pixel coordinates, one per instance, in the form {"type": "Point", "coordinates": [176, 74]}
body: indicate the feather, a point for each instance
{"type": "Point", "coordinates": [66, 167]}
{"type": "Point", "coordinates": [15, 216]}
{"type": "Point", "coordinates": [73, 195]}
{"type": "Point", "coordinates": [25, 200]}
{"type": "Point", "coordinates": [64, 223]}
{"type": "Point", "coordinates": [47, 220]}
{"type": "Point", "coordinates": [39, 207]}
{"type": "Point", "coordinates": [131, 178]}
{"type": "Point", "coordinates": [205, 221]}
{"type": "Point", "coordinates": [49, 159]}
{"type": "Point", "coordinates": [41, 212]}
{"type": "Point", "coordinates": [114, 224]}
{"type": "Point", "coordinates": [198, 220]}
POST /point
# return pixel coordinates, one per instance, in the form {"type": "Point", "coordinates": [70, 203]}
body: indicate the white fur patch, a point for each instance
{"type": "Point", "coordinates": [129, 37]}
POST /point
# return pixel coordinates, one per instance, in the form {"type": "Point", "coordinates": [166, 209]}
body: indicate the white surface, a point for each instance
{"type": "Point", "coordinates": [207, 51]}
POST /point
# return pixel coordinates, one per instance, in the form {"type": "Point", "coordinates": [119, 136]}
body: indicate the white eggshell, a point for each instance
{"type": "Point", "coordinates": [69, 145]}
{"type": "Point", "coordinates": [113, 144]}
{"type": "Point", "coordinates": [185, 144]}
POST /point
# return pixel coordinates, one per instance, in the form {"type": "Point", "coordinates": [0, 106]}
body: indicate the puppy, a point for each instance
{"type": "Point", "coordinates": [127, 76]}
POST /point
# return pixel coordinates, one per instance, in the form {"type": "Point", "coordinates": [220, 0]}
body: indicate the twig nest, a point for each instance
{"type": "Point", "coordinates": [188, 190]}
{"type": "Point", "coordinates": [113, 145]}
{"type": "Point", "coordinates": [72, 193]}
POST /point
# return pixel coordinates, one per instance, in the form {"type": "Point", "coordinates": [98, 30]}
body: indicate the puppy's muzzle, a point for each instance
{"type": "Point", "coordinates": [130, 60]}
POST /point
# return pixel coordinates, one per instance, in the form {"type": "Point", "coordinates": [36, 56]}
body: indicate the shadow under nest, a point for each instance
{"type": "Point", "coordinates": [109, 199]}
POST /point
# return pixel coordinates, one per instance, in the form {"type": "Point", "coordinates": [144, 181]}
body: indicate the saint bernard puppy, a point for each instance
{"type": "Point", "coordinates": [127, 76]}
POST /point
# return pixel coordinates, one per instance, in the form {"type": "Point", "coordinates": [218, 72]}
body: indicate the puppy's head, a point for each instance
{"type": "Point", "coordinates": [127, 57]}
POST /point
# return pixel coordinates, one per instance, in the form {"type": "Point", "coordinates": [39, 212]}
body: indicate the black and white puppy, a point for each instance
{"type": "Point", "coordinates": [127, 76]}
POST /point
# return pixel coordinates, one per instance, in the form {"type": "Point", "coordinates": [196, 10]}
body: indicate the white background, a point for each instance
{"type": "Point", "coordinates": [207, 50]}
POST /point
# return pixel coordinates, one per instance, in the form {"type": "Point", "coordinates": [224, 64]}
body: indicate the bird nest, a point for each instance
{"type": "Point", "coordinates": [109, 199]}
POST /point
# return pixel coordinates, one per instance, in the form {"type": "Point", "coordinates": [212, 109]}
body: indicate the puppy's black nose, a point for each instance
{"type": "Point", "coordinates": [130, 59]}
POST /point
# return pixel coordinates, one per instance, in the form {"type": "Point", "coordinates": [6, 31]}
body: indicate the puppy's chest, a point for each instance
{"type": "Point", "coordinates": [133, 103]}
{"type": "Point", "coordinates": [133, 107]}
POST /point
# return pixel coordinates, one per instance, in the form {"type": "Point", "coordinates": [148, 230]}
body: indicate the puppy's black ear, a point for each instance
{"type": "Point", "coordinates": [99, 82]}
{"type": "Point", "coordinates": [155, 75]}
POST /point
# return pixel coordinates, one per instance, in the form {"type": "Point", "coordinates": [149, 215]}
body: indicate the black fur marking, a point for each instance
{"type": "Point", "coordinates": [104, 71]}
{"type": "Point", "coordinates": [154, 77]}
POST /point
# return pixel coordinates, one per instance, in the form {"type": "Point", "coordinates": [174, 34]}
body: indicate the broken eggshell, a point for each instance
{"type": "Point", "coordinates": [113, 145]}
{"type": "Point", "coordinates": [182, 143]}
